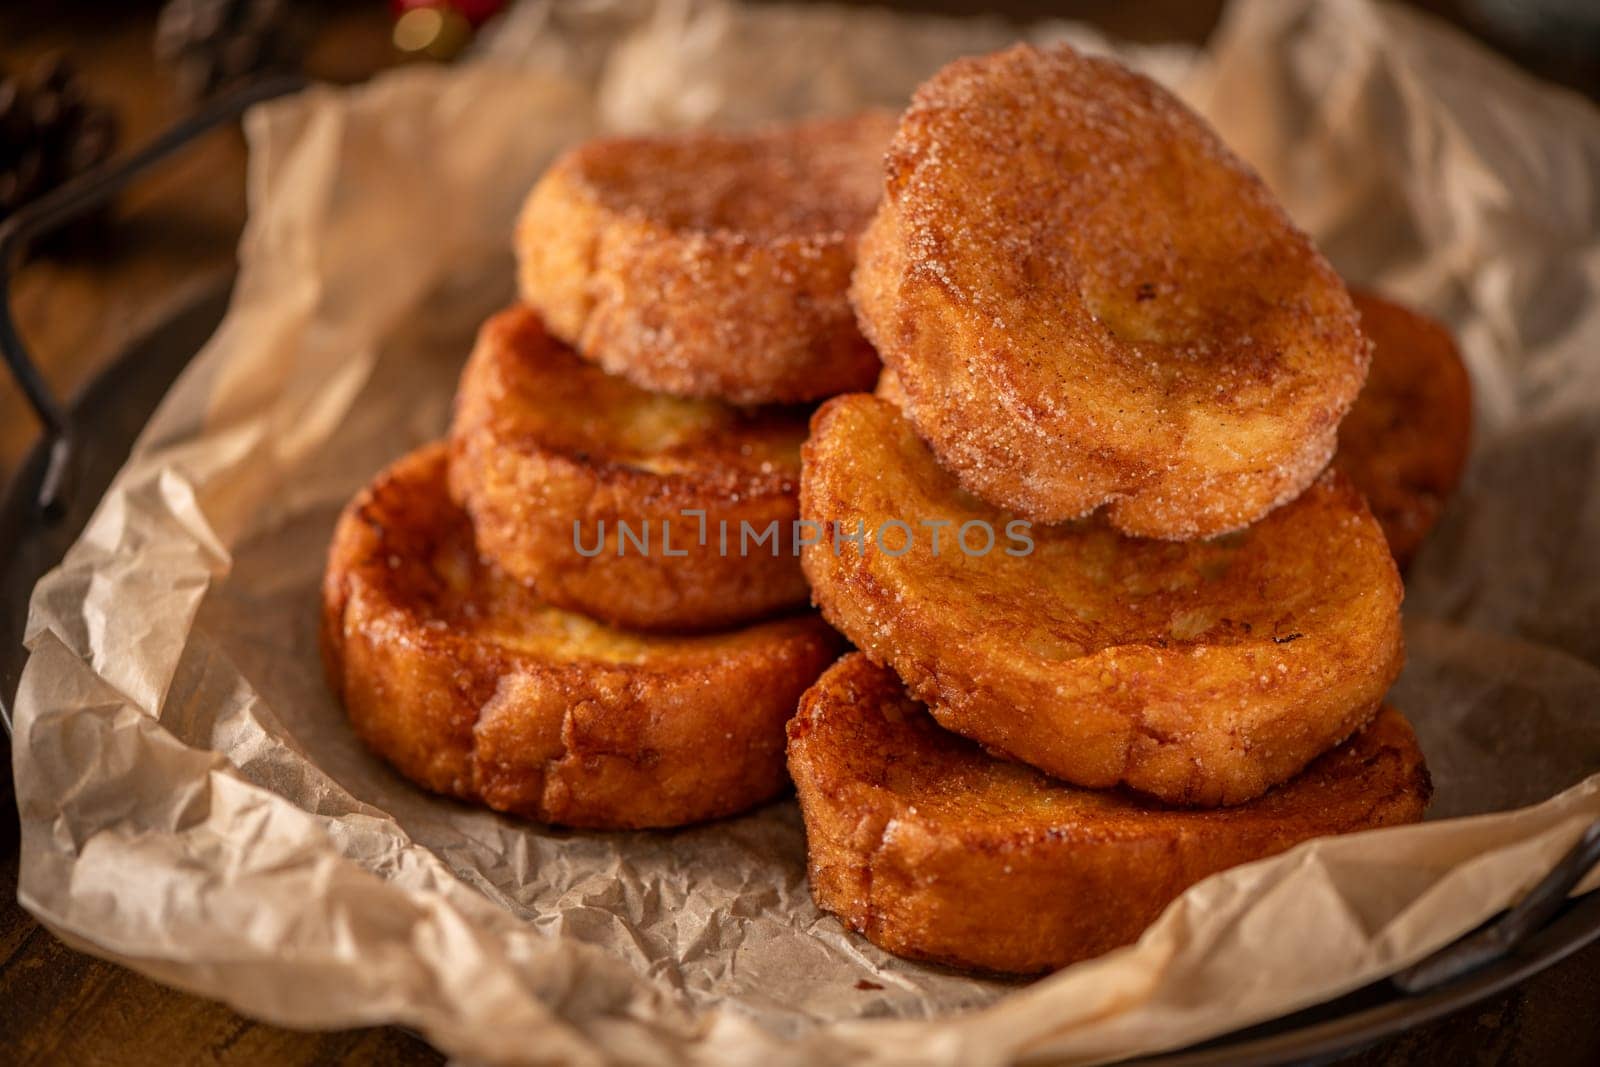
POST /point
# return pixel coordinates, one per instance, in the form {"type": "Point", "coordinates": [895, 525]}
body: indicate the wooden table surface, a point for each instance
{"type": "Point", "coordinates": [61, 1006]}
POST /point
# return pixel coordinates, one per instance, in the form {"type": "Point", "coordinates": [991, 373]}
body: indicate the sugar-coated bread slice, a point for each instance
{"type": "Point", "coordinates": [643, 510]}
{"type": "Point", "coordinates": [1090, 302]}
{"type": "Point", "coordinates": [710, 264]}
{"type": "Point", "coordinates": [1199, 672]}
{"type": "Point", "coordinates": [471, 687]}
{"type": "Point", "coordinates": [935, 850]}
{"type": "Point", "coordinates": [1404, 443]}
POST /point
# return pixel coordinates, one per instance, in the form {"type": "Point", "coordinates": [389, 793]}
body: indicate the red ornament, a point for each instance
{"type": "Point", "coordinates": [476, 12]}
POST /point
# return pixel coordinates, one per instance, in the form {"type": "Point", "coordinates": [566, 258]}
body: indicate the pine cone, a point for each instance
{"type": "Point", "coordinates": [212, 44]}
{"type": "Point", "coordinates": [49, 132]}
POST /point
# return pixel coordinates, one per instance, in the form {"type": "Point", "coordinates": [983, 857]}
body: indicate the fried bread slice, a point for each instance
{"type": "Point", "coordinates": [1201, 673]}
{"type": "Point", "coordinates": [1091, 302]}
{"type": "Point", "coordinates": [1404, 443]}
{"type": "Point", "coordinates": [933, 849]}
{"type": "Point", "coordinates": [710, 264]}
{"type": "Point", "coordinates": [471, 687]}
{"type": "Point", "coordinates": [1405, 440]}
{"type": "Point", "coordinates": [637, 508]}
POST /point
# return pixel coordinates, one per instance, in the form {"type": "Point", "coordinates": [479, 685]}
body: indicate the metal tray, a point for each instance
{"type": "Point", "coordinates": [62, 480]}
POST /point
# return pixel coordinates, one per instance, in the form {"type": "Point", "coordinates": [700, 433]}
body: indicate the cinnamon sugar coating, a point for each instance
{"type": "Point", "coordinates": [1201, 673]}
{"type": "Point", "coordinates": [1404, 443]}
{"type": "Point", "coordinates": [553, 458]}
{"type": "Point", "coordinates": [710, 264]}
{"type": "Point", "coordinates": [932, 849]}
{"type": "Point", "coordinates": [472, 687]}
{"type": "Point", "coordinates": [1090, 302]}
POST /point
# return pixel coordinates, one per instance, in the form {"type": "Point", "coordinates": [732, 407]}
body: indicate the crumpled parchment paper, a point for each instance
{"type": "Point", "coordinates": [194, 806]}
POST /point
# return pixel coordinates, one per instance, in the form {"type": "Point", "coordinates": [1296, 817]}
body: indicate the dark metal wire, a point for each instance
{"type": "Point", "coordinates": [1505, 934]}
{"type": "Point", "coordinates": [61, 206]}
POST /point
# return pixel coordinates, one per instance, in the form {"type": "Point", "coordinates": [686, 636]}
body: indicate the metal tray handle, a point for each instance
{"type": "Point", "coordinates": [62, 205]}
{"type": "Point", "coordinates": [1504, 934]}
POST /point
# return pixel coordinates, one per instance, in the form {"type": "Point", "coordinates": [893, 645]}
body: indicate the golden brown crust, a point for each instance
{"type": "Point", "coordinates": [707, 264]}
{"type": "Point", "coordinates": [934, 850]}
{"type": "Point", "coordinates": [542, 442]}
{"type": "Point", "coordinates": [1201, 672]}
{"type": "Point", "coordinates": [471, 687]}
{"type": "Point", "coordinates": [1404, 443]}
{"type": "Point", "coordinates": [1090, 301]}
{"type": "Point", "coordinates": [1405, 440]}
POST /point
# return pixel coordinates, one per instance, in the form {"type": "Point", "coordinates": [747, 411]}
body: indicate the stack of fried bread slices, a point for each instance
{"type": "Point", "coordinates": [1108, 497]}
{"type": "Point", "coordinates": [552, 612]}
